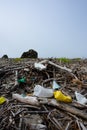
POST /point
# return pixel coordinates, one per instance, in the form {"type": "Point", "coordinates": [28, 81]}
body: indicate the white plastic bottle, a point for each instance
{"type": "Point", "coordinates": [40, 91]}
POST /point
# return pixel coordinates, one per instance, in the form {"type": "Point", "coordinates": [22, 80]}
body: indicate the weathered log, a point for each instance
{"type": "Point", "coordinates": [68, 108]}
{"type": "Point", "coordinates": [60, 67]}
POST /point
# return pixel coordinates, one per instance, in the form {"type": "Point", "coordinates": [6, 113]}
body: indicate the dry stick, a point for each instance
{"type": "Point", "coordinates": [26, 106]}
{"type": "Point", "coordinates": [20, 122]}
{"type": "Point", "coordinates": [58, 123]}
{"type": "Point", "coordinates": [66, 107]}
{"type": "Point", "coordinates": [60, 67]}
{"type": "Point", "coordinates": [78, 124]}
{"type": "Point", "coordinates": [82, 126]}
{"type": "Point", "coordinates": [52, 121]}
{"type": "Point", "coordinates": [48, 80]}
{"type": "Point", "coordinates": [16, 77]}
{"type": "Point", "coordinates": [68, 125]}
{"type": "Point", "coordinates": [49, 117]}
{"type": "Point", "coordinates": [37, 112]}
{"type": "Point", "coordinates": [63, 68]}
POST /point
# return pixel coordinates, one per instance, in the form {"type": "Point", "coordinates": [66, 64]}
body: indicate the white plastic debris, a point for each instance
{"type": "Point", "coordinates": [26, 69]}
{"type": "Point", "coordinates": [80, 98]}
{"type": "Point", "coordinates": [55, 85]}
{"type": "Point", "coordinates": [39, 66]}
{"type": "Point", "coordinates": [40, 91]}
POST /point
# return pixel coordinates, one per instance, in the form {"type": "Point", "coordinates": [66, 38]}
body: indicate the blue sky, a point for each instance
{"type": "Point", "coordinates": [54, 28]}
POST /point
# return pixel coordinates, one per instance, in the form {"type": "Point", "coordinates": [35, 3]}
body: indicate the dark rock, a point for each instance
{"type": "Point", "coordinates": [30, 54]}
{"type": "Point", "coordinates": [4, 57]}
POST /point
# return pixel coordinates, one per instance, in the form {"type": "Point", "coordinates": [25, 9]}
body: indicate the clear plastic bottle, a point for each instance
{"type": "Point", "coordinates": [40, 91]}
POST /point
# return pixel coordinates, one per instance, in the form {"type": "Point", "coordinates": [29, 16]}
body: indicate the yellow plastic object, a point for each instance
{"type": "Point", "coordinates": [2, 100]}
{"type": "Point", "coordinates": [61, 97]}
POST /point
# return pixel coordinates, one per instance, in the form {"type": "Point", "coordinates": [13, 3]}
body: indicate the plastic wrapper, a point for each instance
{"type": "Point", "coordinates": [2, 100]}
{"type": "Point", "coordinates": [58, 95]}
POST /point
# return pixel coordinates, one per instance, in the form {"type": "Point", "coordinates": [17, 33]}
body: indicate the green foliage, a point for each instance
{"type": "Point", "coordinates": [77, 59]}
{"type": "Point", "coordinates": [64, 60]}
{"type": "Point", "coordinates": [17, 60]}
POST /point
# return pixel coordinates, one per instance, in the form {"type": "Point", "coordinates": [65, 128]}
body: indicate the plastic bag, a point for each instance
{"type": "Point", "coordinates": [80, 98]}
{"type": "Point", "coordinates": [40, 91]}
{"type": "Point", "coordinates": [39, 66]}
{"type": "Point", "coordinates": [61, 97]}
{"type": "Point", "coordinates": [2, 100]}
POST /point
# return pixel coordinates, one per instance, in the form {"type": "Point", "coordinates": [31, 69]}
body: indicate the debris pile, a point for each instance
{"type": "Point", "coordinates": [43, 95]}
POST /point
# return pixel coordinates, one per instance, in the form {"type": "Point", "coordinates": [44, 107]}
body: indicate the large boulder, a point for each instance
{"type": "Point", "coordinates": [5, 56]}
{"type": "Point", "coordinates": [30, 54]}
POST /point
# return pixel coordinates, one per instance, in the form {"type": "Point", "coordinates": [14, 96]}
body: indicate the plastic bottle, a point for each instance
{"type": "Point", "coordinates": [40, 91]}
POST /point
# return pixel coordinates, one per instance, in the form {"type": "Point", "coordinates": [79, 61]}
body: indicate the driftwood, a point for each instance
{"type": "Point", "coordinates": [68, 108]}
{"type": "Point", "coordinates": [17, 115]}
{"type": "Point", "coordinates": [58, 66]}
